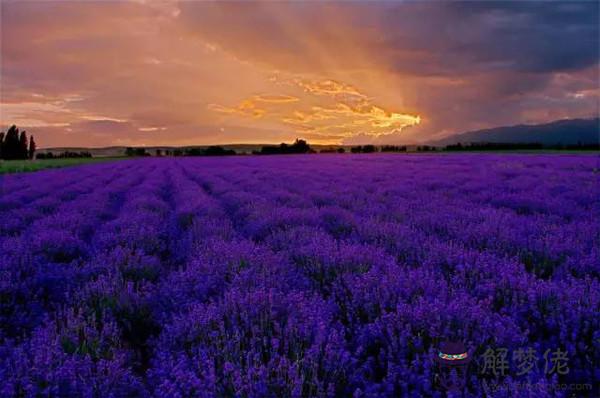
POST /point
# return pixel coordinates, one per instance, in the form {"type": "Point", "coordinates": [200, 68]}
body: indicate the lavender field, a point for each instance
{"type": "Point", "coordinates": [300, 276]}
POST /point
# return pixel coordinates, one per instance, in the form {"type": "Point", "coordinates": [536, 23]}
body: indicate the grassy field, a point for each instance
{"type": "Point", "coordinates": [20, 166]}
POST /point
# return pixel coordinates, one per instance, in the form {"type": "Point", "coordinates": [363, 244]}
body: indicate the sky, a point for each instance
{"type": "Point", "coordinates": [104, 73]}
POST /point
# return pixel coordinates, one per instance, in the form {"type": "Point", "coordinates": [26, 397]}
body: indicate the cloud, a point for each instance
{"type": "Point", "coordinates": [96, 118]}
{"type": "Point", "coordinates": [246, 108]}
{"type": "Point", "coordinates": [346, 121]}
{"type": "Point", "coordinates": [465, 35]}
{"type": "Point", "coordinates": [275, 98]}
{"type": "Point", "coordinates": [327, 87]}
{"type": "Point", "coordinates": [327, 109]}
{"type": "Point", "coordinates": [150, 129]}
{"type": "Point", "coordinates": [273, 70]}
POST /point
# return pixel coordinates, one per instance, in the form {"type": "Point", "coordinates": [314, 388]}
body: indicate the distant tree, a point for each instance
{"type": "Point", "coordinates": [158, 152]}
{"type": "Point", "coordinates": [454, 147]}
{"type": "Point", "coordinates": [299, 146]}
{"type": "Point", "coordinates": [23, 142]}
{"type": "Point", "coordinates": [193, 152]}
{"type": "Point", "coordinates": [333, 150]}
{"type": "Point", "coordinates": [177, 152]}
{"type": "Point", "coordinates": [129, 151]}
{"type": "Point", "coordinates": [141, 152]}
{"type": "Point", "coordinates": [363, 149]}
{"type": "Point", "coordinates": [426, 148]}
{"type": "Point", "coordinates": [268, 150]}
{"type": "Point", "coordinates": [579, 147]}
{"type": "Point", "coordinates": [1, 143]}
{"type": "Point", "coordinates": [369, 149]}
{"type": "Point", "coordinates": [32, 147]}
{"type": "Point", "coordinates": [10, 144]}
{"type": "Point", "coordinates": [218, 151]}
{"type": "Point", "coordinates": [393, 148]}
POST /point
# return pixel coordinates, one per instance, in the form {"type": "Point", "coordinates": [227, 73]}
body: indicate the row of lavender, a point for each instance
{"type": "Point", "coordinates": [296, 276]}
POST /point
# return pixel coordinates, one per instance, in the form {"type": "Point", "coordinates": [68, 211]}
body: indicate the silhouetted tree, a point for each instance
{"type": "Point", "coordinates": [363, 149]}
{"type": "Point", "coordinates": [1, 143]}
{"type": "Point", "coordinates": [158, 152]}
{"type": "Point", "coordinates": [22, 152]}
{"type": "Point", "coordinates": [369, 149]}
{"type": "Point", "coordinates": [10, 145]}
{"type": "Point", "coordinates": [129, 151]}
{"type": "Point", "coordinates": [393, 148]}
{"type": "Point", "coordinates": [426, 148]}
{"type": "Point", "coordinates": [32, 147]}
{"type": "Point", "coordinates": [332, 150]}
{"type": "Point", "coordinates": [269, 150]}
{"type": "Point", "coordinates": [193, 152]}
{"type": "Point", "coordinates": [141, 152]}
{"type": "Point", "coordinates": [218, 151]}
{"type": "Point", "coordinates": [299, 146]}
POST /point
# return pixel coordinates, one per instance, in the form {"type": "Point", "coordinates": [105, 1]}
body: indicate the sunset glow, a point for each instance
{"type": "Point", "coordinates": [178, 73]}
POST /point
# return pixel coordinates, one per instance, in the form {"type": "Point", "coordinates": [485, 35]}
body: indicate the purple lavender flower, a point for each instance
{"type": "Point", "coordinates": [300, 276]}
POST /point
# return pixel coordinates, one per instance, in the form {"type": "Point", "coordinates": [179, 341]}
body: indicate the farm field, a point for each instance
{"type": "Point", "coordinates": [20, 166]}
{"type": "Point", "coordinates": [298, 276]}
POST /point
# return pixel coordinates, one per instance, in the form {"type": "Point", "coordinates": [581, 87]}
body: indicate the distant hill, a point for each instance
{"type": "Point", "coordinates": [565, 132]}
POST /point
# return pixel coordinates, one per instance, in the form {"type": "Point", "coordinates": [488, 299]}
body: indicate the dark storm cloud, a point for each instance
{"type": "Point", "coordinates": [465, 37]}
{"type": "Point", "coordinates": [428, 38]}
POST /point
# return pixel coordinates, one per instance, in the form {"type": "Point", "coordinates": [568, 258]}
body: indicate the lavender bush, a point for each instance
{"type": "Point", "coordinates": [299, 276]}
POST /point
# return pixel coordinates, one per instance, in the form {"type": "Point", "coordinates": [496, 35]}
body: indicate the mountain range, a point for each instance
{"type": "Point", "coordinates": [565, 132]}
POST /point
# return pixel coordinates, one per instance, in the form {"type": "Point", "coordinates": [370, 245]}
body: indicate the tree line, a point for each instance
{"type": "Point", "coordinates": [502, 146]}
{"type": "Point", "coordinates": [298, 147]}
{"type": "Point", "coordinates": [333, 150]}
{"type": "Point", "coordinates": [213, 150]}
{"type": "Point", "coordinates": [15, 145]}
{"type": "Point", "coordinates": [64, 155]}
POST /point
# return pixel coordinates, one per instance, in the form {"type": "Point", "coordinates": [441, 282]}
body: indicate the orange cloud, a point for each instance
{"type": "Point", "coordinates": [321, 107]}
{"type": "Point", "coordinates": [246, 108]}
{"type": "Point", "coordinates": [327, 87]}
{"type": "Point", "coordinates": [276, 98]}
